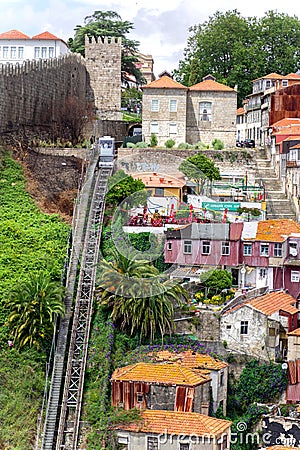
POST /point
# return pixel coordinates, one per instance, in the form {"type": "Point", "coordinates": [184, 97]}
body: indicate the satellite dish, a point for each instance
{"type": "Point", "coordinates": [284, 366]}
{"type": "Point", "coordinates": [293, 251]}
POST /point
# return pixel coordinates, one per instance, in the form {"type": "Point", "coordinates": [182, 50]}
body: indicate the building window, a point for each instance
{"type": "Point", "coordinates": [264, 249]}
{"type": "Point", "coordinates": [172, 129]}
{"type": "Point", "coordinates": [295, 276]}
{"type": "Point", "coordinates": [152, 443]}
{"type": "Point", "coordinates": [278, 249]}
{"type": "Point", "coordinates": [225, 248]}
{"type": "Point", "coordinates": [20, 52]}
{"type": "Point", "coordinates": [221, 378]}
{"type": "Point", "coordinates": [154, 128]}
{"type": "Point", "coordinates": [244, 326]}
{"type": "Point", "coordinates": [293, 248]}
{"type": "Point", "coordinates": [44, 52]}
{"type": "Point", "coordinates": [262, 273]}
{"type": "Point", "coordinates": [173, 106]}
{"type": "Point", "coordinates": [36, 52]}
{"type": "Point", "coordinates": [205, 247]}
{"type": "Point", "coordinates": [51, 52]}
{"type": "Point", "coordinates": [123, 442]}
{"type": "Point", "coordinates": [247, 249]}
{"type": "Point", "coordinates": [154, 105]}
{"type": "Point", "coordinates": [187, 247]}
{"type": "Point", "coordinates": [139, 397]}
{"type": "Point", "coordinates": [5, 52]}
{"type": "Point", "coordinates": [159, 192]}
{"type": "Point", "coordinates": [285, 83]}
{"type": "Point", "coordinates": [205, 111]}
{"type": "Point", "coordinates": [228, 327]}
{"type": "Point", "coordinates": [184, 446]}
{"type": "Point", "coordinates": [271, 331]}
{"type": "Point", "coordinates": [13, 52]}
{"type": "Point", "coordinates": [169, 246]}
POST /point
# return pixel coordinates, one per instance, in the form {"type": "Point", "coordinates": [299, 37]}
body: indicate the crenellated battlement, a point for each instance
{"type": "Point", "coordinates": [103, 40]}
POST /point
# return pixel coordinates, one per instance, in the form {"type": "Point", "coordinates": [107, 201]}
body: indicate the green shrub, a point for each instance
{"type": "Point", "coordinates": [182, 146]}
{"type": "Point", "coordinates": [217, 144]}
{"type": "Point", "coordinates": [141, 145]}
{"type": "Point", "coordinates": [130, 145]}
{"type": "Point", "coordinates": [170, 143]}
{"type": "Point", "coordinates": [153, 140]}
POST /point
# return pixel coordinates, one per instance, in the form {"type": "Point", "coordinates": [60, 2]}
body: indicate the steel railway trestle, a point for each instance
{"type": "Point", "coordinates": [62, 423]}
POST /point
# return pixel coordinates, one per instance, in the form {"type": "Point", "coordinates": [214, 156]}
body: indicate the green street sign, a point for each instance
{"type": "Point", "coordinates": [221, 206]}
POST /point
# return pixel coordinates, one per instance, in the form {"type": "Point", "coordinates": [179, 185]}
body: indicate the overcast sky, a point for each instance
{"type": "Point", "coordinates": [161, 26]}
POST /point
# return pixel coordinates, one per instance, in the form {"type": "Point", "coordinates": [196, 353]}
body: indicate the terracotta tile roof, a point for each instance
{"type": "Point", "coordinates": [273, 302]}
{"type": "Point", "coordinates": [166, 373]}
{"type": "Point", "coordinates": [291, 130]}
{"type": "Point", "coordinates": [153, 179]}
{"type": "Point", "coordinates": [14, 34]}
{"type": "Point", "coordinates": [270, 303]}
{"type": "Point", "coordinates": [294, 332]}
{"type": "Point", "coordinates": [193, 360]}
{"type": "Point", "coordinates": [210, 85]}
{"type": "Point", "coordinates": [46, 35]}
{"type": "Point", "coordinates": [240, 111]}
{"type": "Point", "coordinates": [281, 447]}
{"type": "Point", "coordinates": [286, 122]}
{"type": "Point", "coordinates": [292, 76]}
{"type": "Point", "coordinates": [164, 82]}
{"type": "Point", "coordinates": [270, 76]}
{"type": "Point", "coordinates": [276, 230]}
{"type": "Point", "coordinates": [178, 423]}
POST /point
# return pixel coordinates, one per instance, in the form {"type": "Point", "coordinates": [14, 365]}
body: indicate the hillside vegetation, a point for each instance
{"type": "Point", "coordinates": [31, 242]}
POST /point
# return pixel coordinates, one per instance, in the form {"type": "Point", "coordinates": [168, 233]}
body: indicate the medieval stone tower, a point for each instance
{"type": "Point", "coordinates": [103, 63]}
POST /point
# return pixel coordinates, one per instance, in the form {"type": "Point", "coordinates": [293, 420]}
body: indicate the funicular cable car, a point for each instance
{"type": "Point", "coordinates": [106, 150]}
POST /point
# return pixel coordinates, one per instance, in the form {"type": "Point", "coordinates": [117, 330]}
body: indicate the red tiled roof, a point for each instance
{"type": "Point", "coordinates": [286, 122]}
{"type": "Point", "coordinates": [210, 85]}
{"type": "Point", "coordinates": [166, 373]}
{"type": "Point", "coordinates": [281, 447]}
{"type": "Point", "coordinates": [273, 302]}
{"type": "Point", "coordinates": [177, 423]}
{"type": "Point", "coordinates": [153, 179]}
{"type": "Point", "coordinates": [270, 303]}
{"type": "Point", "coordinates": [270, 76]}
{"type": "Point", "coordinates": [164, 82]}
{"type": "Point", "coordinates": [14, 34]}
{"type": "Point", "coordinates": [276, 230]}
{"type": "Point", "coordinates": [47, 36]}
{"type": "Point", "coordinates": [294, 332]}
{"type": "Point", "coordinates": [193, 360]}
{"type": "Point", "coordinates": [289, 130]}
{"type": "Point", "coordinates": [292, 76]}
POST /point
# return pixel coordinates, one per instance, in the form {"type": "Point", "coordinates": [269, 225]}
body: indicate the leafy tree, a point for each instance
{"type": "Point", "coordinates": [237, 50]}
{"type": "Point", "coordinates": [140, 301]}
{"type": "Point", "coordinates": [121, 186]}
{"type": "Point", "coordinates": [216, 280]}
{"type": "Point", "coordinates": [108, 23]}
{"type": "Point", "coordinates": [34, 305]}
{"type": "Point", "coordinates": [200, 168]}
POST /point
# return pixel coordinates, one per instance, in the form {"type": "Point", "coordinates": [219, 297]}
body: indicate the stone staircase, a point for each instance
{"type": "Point", "coordinates": [278, 205]}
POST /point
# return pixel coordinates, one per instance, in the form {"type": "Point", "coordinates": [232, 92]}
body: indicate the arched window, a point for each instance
{"type": "Point", "coordinates": [205, 111]}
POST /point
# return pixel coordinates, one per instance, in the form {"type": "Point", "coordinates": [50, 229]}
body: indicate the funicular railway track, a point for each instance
{"type": "Point", "coordinates": [62, 423]}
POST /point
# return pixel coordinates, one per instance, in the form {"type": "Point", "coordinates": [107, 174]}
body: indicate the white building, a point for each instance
{"type": "Point", "coordinates": [17, 47]}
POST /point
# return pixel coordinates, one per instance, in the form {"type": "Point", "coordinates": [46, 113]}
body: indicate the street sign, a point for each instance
{"type": "Point", "coordinates": [221, 206]}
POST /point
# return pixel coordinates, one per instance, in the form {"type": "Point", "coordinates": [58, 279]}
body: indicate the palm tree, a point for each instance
{"type": "Point", "coordinates": [139, 298]}
{"type": "Point", "coordinates": [34, 305]}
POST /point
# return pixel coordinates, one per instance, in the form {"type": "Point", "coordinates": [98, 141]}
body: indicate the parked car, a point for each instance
{"type": "Point", "coordinates": [239, 144]}
{"type": "Point", "coordinates": [249, 143]}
